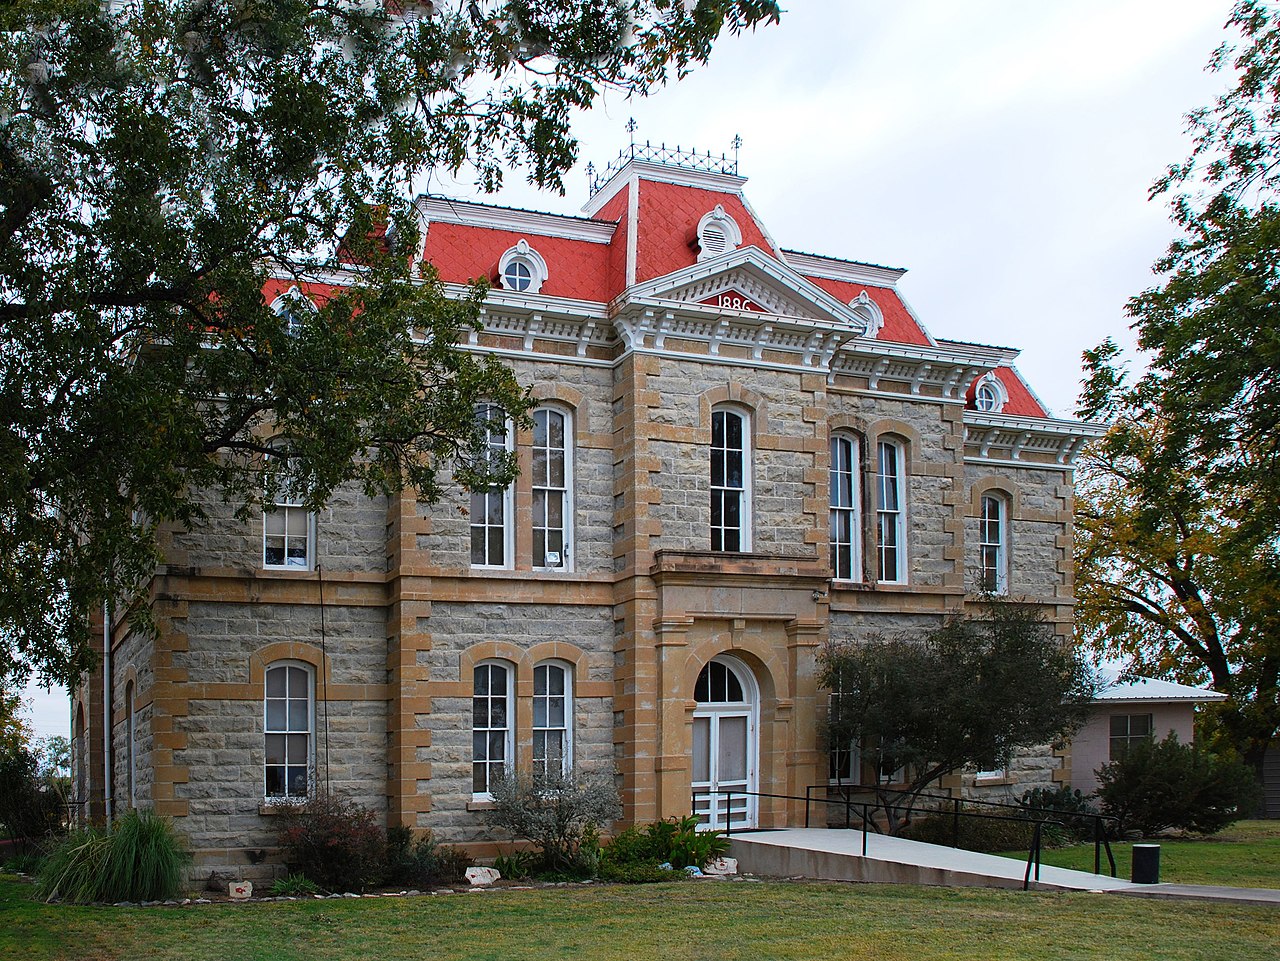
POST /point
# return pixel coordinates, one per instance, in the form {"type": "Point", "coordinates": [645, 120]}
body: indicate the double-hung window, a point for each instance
{"type": "Point", "coordinates": [491, 506]}
{"type": "Point", "coordinates": [289, 719]}
{"type": "Point", "coordinates": [492, 725]}
{"type": "Point", "coordinates": [993, 535]}
{"type": "Point", "coordinates": [846, 503]}
{"type": "Point", "coordinates": [552, 716]}
{"type": "Point", "coordinates": [890, 530]}
{"type": "Point", "coordinates": [730, 460]}
{"type": "Point", "coordinates": [288, 531]}
{"type": "Point", "coordinates": [552, 484]}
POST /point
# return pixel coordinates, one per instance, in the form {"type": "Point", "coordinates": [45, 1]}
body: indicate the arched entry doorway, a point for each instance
{"type": "Point", "coordinates": [725, 744]}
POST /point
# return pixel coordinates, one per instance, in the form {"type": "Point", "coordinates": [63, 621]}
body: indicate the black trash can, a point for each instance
{"type": "Point", "coordinates": [1146, 864]}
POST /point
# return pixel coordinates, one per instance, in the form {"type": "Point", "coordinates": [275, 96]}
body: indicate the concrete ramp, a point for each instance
{"type": "Point", "coordinates": [836, 855]}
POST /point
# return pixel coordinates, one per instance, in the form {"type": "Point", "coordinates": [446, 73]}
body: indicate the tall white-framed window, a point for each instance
{"type": "Point", "coordinates": [492, 725]}
{"type": "Point", "coordinates": [491, 507]}
{"type": "Point", "coordinates": [730, 480]}
{"type": "Point", "coordinates": [552, 719]}
{"type": "Point", "coordinates": [288, 531]}
{"type": "Point", "coordinates": [289, 727]}
{"type": "Point", "coordinates": [993, 545]}
{"type": "Point", "coordinates": [130, 748]}
{"type": "Point", "coordinates": [891, 567]}
{"type": "Point", "coordinates": [552, 484]}
{"type": "Point", "coordinates": [846, 508]}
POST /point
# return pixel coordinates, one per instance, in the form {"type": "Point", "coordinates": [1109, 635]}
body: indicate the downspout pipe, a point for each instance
{"type": "Point", "coordinates": [108, 769]}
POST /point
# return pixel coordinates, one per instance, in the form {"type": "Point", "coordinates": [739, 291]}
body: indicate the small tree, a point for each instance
{"type": "Point", "coordinates": [971, 692]}
{"type": "Point", "coordinates": [554, 812]}
{"type": "Point", "coordinates": [1165, 784]}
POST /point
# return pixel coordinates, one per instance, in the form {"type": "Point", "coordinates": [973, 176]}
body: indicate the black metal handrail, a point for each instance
{"type": "Point", "coordinates": [1101, 842]}
{"type": "Point", "coordinates": [1033, 853]}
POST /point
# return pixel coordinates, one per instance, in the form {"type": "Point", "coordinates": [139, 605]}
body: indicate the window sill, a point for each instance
{"type": "Point", "coordinates": [277, 808]}
{"type": "Point", "coordinates": [480, 804]}
{"type": "Point", "coordinates": [992, 781]}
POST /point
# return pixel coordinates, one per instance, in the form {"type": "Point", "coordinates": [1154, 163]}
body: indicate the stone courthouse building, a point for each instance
{"type": "Point", "coordinates": [738, 453]}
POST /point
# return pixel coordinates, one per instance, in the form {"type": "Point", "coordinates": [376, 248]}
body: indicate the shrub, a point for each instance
{"type": "Point", "coordinates": [1165, 784]}
{"type": "Point", "coordinates": [294, 885]}
{"type": "Point", "coordinates": [516, 866]}
{"type": "Point", "coordinates": [336, 843]}
{"type": "Point", "coordinates": [1071, 808]}
{"type": "Point", "coordinates": [31, 809]}
{"type": "Point", "coordinates": [139, 858]}
{"type": "Point", "coordinates": [424, 863]}
{"type": "Point", "coordinates": [975, 833]}
{"type": "Point", "coordinates": [676, 841]}
{"type": "Point", "coordinates": [555, 813]}
{"type": "Point", "coordinates": [638, 873]}
{"type": "Point", "coordinates": [28, 863]}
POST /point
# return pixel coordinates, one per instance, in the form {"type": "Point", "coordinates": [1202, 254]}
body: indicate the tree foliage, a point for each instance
{"type": "Point", "coordinates": [162, 162]}
{"type": "Point", "coordinates": [1178, 518]}
{"type": "Point", "coordinates": [969, 693]}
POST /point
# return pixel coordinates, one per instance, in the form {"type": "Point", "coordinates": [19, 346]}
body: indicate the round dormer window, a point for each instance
{"type": "Point", "coordinates": [989, 396]}
{"type": "Point", "coordinates": [517, 276]}
{"type": "Point", "coordinates": [522, 269]}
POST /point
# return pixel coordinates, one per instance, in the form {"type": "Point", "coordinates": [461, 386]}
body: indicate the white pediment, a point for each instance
{"type": "Point", "coordinates": [750, 280]}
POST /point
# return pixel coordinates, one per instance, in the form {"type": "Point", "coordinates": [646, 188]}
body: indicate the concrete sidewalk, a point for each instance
{"type": "Point", "coordinates": [836, 855]}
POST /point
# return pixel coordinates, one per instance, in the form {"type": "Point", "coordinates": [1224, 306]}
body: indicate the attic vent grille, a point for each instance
{"type": "Point", "coordinates": [717, 234]}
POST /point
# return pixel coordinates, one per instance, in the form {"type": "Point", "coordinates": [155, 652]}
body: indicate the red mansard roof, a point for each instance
{"type": "Point", "coordinates": [1021, 402]}
{"type": "Point", "coordinates": [576, 269]}
{"type": "Point", "coordinates": [668, 220]}
{"type": "Point", "coordinates": [899, 326]}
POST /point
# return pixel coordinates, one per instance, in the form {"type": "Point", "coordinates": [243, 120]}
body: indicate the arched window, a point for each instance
{"type": "Point", "coordinates": [846, 508]}
{"type": "Point", "coordinates": [288, 528]}
{"type": "Point", "coordinates": [890, 529]}
{"type": "Point", "coordinates": [294, 308]}
{"type": "Point", "coordinates": [552, 484]}
{"type": "Point", "coordinates": [492, 725]}
{"type": "Point", "coordinates": [289, 723]}
{"type": "Point", "coordinates": [552, 720]}
{"type": "Point", "coordinates": [993, 538]}
{"type": "Point", "coordinates": [130, 748]}
{"type": "Point", "coordinates": [491, 506]}
{"type": "Point", "coordinates": [730, 481]}
{"type": "Point", "coordinates": [522, 270]}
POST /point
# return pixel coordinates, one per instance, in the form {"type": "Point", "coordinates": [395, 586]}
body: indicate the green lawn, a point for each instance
{"type": "Point", "coordinates": [715, 921]}
{"type": "Point", "coordinates": [1245, 855]}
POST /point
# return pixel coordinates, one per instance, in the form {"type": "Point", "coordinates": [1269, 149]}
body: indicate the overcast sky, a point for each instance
{"type": "Point", "coordinates": [1001, 151]}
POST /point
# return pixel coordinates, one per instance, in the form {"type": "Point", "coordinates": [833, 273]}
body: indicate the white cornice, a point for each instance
{"type": "Point", "coordinates": [661, 173]}
{"type": "Point", "coordinates": [813, 265]}
{"type": "Point", "coordinates": [439, 210]}
{"type": "Point", "coordinates": [1010, 436]}
{"type": "Point", "coordinates": [543, 303]}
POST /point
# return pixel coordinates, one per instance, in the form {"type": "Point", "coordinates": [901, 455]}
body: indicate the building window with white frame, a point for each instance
{"type": "Point", "coordinates": [990, 395]}
{"type": "Point", "coordinates": [846, 509]}
{"type": "Point", "coordinates": [491, 506]}
{"type": "Point", "coordinates": [993, 551]}
{"type": "Point", "coordinates": [492, 725]}
{"type": "Point", "coordinates": [288, 531]}
{"type": "Point", "coordinates": [552, 717]}
{"type": "Point", "coordinates": [552, 484]}
{"type": "Point", "coordinates": [730, 491]}
{"type": "Point", "coordinates": [289, 721]}
{"type": "Point", "coordinates": [890, 539]}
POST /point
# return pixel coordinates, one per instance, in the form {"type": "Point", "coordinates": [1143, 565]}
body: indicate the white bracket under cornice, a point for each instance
{"type": "Point", "coordinates": [1032, 441]}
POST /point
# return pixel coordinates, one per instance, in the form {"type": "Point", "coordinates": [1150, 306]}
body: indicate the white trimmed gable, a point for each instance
{"type": "Point", "coordinates": [755, 283]}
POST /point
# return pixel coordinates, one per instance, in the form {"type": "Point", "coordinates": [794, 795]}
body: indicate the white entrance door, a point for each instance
{"type": "Point", "coordinates": [725, 746]}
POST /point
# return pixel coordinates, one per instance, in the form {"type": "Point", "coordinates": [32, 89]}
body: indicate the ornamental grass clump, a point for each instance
{"type": "Point", "coordinates": [138, 858]}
